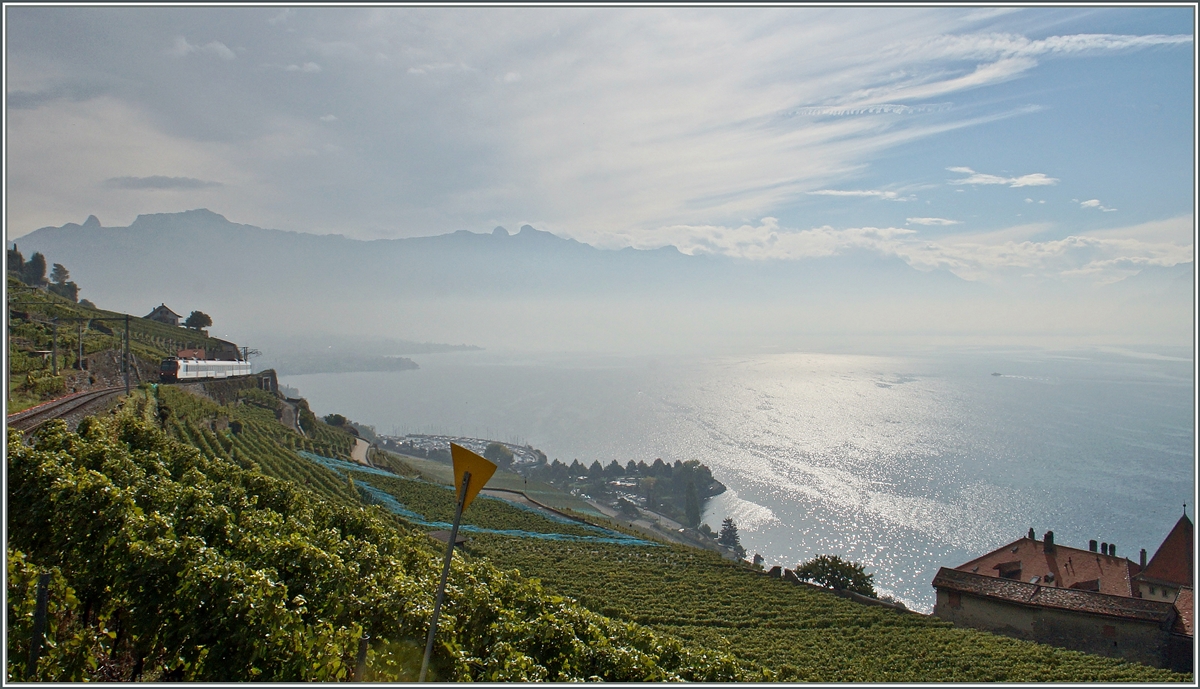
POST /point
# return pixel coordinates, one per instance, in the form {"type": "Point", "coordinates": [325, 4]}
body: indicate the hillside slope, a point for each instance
{"type": "Point", "coordinates": [231, 548]}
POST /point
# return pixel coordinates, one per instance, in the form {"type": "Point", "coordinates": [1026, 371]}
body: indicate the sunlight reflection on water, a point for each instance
{"type": "Point", "coordinates": [904, 464]}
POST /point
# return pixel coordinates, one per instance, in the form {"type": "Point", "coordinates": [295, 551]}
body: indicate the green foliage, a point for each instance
{"type": "Point", "coordinates": [43, 385]}
{"type": "Point", "coordinates": [498, 454]}
{"type": "Point", "coordinates": [730, 539]}
{"type": "Point", "coordinates": [691, 506]}
{"type": "Point", "coordinates": [212, 572]}
{"type": "Point", "coordinates": [33, 272]}
{"type": "Point", "coordinates": [335, 420]}
{"type": "Point", "coordinates": [436, 503]}
{"type": "Point", "coordinates": [197, 320]}
{"type": "Point", "coordinates": [833, 572]}
{"type": "Point", "coordinates": [801, 633]}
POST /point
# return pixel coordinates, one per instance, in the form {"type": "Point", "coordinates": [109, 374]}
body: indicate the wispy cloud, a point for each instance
{"type": "Point", "coordinates": [931, 221]}
{"type": "Point", "coordinates": [1036, 179]}
{"type": "Point", "coordinates": [159, 182]}
{"type": "Point", "coordinates": [182, 48]}
{"type": "Point", "coordinates": [1095, 203]}
{"type": "Point", "coordinates": [439, 67]}
{"type": "Point", "coordinates": [306, 67]}
{"type": "Point", "coordinates": [993, 257]}
{"type": "Point", "coordinates": [328, 118]}
{"type": "Point", "coordinates": [872, 193]}
{"type": "Point", "coordinates": [876, 109]}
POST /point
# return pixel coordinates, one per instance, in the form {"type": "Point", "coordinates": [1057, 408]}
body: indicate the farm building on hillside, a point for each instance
{"type": "Point", "coordinates": [1085, 600]}
{"type": "Point", "coordinates": [162, 314]}
{"type": "Point", "coordinates": [225, 351]}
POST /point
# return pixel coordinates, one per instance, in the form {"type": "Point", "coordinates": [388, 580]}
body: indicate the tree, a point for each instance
{"type": "Point", "coordinates": [60, 274]}
{"type": "Point", "coordinates": [691, 506]}
{"type": "Point", "coordinates": [335, 419]}
{"type": "Point", "coordinates": [498, 454]}
{"type": "Point", "coordinates": [16, 262]}
{"type": "Point", "coordinates": [59, 278]}
{"type": "Point", "coordinates": [729, 538]}
{"type": "Point", "coordinates": [33, 273]}
{"type": "Point", "coordinates": [198, 320]}
{"type": "Point", "coordinates": [833, 572]}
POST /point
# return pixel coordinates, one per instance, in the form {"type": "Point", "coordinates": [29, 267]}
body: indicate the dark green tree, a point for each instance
{"type": "Point", "coordinates": [198, 320]}
{"type": "Point", "coordinates": [33, 273]}
{"type": "Point", "coordinates": [833, 572]}
{"type": "Point", "coordinates": [16, 262]}
{"type": "Point", "coordinates": [729, 538]}
{"type": "Point", "coordinates": [335, 419]}
{"type": "Point", "coordinates": [691, 506]}
{"type": "Point", "coordinates": [60, 283]}
{"type": "Point", "coordinates": [498, 454]}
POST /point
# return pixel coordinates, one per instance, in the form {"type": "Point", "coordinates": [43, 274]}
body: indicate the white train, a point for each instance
{"type": "Point", "coordinates": [174, 369]}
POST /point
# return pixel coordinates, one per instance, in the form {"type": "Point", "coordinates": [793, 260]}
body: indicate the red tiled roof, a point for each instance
{"type": "Point", "coordinates": [1036, 595]}
{"type": "Point", "coordinates": [1186, 607]}
{"type": "Point", "coordinates": [1172, 563]}
{"type": "Point", "coordinates": [1070, 566]}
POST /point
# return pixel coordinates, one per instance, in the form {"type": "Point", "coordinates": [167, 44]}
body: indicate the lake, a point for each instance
{"type": "Point", "coordinates": [904, 463]}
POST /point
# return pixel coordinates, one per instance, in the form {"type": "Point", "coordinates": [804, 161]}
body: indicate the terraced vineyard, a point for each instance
{"type": "Point", "coordinates": [803, 634]}
{"type": "Point", "coordinates": [756, 627]}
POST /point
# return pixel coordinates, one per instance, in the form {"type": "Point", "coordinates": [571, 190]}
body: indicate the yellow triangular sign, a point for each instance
{"type": "Point", "coordinates": [481, 470]}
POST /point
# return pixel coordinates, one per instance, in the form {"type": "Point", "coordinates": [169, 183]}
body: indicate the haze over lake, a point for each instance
{"type": "Point", "coordinates": [905, 463]}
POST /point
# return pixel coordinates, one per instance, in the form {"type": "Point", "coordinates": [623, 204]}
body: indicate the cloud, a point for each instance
{"type": "Point", "coordinates": [876, 109]}
{"type": "Point", "coordinates": [282, 17]}
{"type": "Point", "coordinates": [994, 257]}
{"type": "Point", "coordinates": [1036, 179]}
{"type": "Point", "coordinates": [888, 195]}
{"type": "Point", "coordinates": [1095, 203]}
{"type": "Point", "coordinates": [328, 118]}
{"type": "Point", "coordinates": [182, 48]}
{"type": "Point", "coordinates": [439, 67]}
{"type": "Point", "coordinates": [931, 221]}
{"type": "Point", "coordinates": [306, 67]}
{"type": "Point", "coordinates": [511, 77]}
{"type": "Point", "coordinates": [158, 182]}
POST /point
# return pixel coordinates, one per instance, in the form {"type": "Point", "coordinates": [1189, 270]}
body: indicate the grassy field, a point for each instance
{"type": "Point", "coordinates": [440, 472]}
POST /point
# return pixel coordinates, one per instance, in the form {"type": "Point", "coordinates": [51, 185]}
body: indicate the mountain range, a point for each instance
{"type": "Point", "coordinates": [265, 280]}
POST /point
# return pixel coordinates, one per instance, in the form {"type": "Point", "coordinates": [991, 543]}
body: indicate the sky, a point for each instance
{"type": "Point", "coordinates": [999, 144]}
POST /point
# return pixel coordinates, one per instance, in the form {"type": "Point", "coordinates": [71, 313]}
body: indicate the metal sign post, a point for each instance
{"type": "Point", "coordinates": [465, 463]}
{"type": "Point", "coordinates": [441, 592]}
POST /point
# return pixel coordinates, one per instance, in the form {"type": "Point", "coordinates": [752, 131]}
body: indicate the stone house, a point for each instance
{"type": "Point", "coordinates": [1085, 600]}
{"type": "Point", "coordinates": [1171, 567]}
{"type": "Point", "coordinates": [162, 314]}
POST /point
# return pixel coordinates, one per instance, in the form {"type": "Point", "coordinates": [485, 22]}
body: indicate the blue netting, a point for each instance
{"type": "Point", "coordinates": [390, 503]}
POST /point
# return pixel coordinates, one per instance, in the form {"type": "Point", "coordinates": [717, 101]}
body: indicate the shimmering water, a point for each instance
{"type": "Point", "coordinates": [902, 463]}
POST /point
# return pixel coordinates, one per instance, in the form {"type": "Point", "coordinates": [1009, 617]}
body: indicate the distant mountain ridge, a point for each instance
{"type": "Point", "coordinates": [534, 288]}
{"type": "Point", "coordinates": [206, 249]}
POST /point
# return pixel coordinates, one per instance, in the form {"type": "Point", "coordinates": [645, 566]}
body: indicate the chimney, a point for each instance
{"type": "Point", "coordinates": [1143, 558]}
{"type": "Point", "coordinates": [1048, 545]}
{"type": "Point", "coordinates": [1092, 545]}
{"type": "Point", "coordinates": [1112, 549]}
{"type": "Point", "coordinates": [1032, 537]}
{"type": "Point", "coordinates": [1104, 548]}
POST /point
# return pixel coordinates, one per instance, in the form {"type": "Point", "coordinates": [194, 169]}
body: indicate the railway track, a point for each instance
{"type": "Point", "coordinates": [78, 403]}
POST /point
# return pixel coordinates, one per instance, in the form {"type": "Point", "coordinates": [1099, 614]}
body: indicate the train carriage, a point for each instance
{"type": "Point", "coordinates": [174, 369]}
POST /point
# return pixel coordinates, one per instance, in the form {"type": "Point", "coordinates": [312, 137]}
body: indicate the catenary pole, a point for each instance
{"type": "Point", "coordinates": [441, 592]}
{"type": "Point", "coordinates": [126, 354]}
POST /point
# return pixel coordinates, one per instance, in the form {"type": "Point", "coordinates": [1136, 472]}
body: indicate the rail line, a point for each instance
{"type": "Point", "coordinates": [30, 419]}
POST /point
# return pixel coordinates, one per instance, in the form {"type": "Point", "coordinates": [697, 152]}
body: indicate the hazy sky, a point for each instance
{"type": "Point", "coordinates": [992, 142]}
